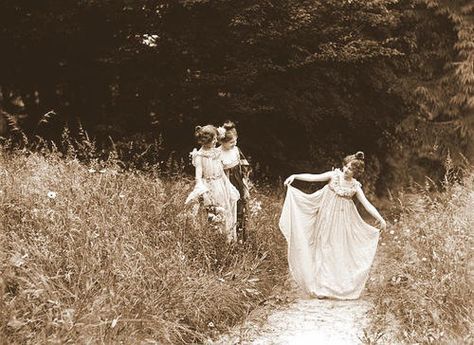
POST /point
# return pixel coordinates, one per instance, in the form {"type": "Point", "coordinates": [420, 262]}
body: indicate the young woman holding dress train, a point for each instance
{"type": "Point", "coordinates": [330, 247]}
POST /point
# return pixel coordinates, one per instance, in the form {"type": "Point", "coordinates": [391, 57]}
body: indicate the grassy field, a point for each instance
{"type": "Point", "coordinates": [424, 294]}
{"type": "Point", "coordinates": [93, 254]}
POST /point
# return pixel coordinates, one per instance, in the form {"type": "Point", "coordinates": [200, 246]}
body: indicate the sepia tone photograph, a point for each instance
{"type": "Point", "coordinates": [226, 172]}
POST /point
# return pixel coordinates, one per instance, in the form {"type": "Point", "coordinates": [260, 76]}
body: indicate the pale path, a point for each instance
{"type": "Point", "coordinates": [313, 321]}
{"type": "Point", "coordinates": [307, 321]}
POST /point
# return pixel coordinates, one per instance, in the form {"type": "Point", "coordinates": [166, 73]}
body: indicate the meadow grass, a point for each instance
{"type": "Point", "coordinates": [424, 294]}
{"type": "Point", "coordinates": [94, 254]}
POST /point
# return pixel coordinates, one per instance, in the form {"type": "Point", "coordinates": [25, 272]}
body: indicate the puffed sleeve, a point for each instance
{"type": "Point", "coordinates": [193, 155]}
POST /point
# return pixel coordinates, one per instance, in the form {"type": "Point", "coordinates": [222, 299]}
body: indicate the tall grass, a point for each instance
{"type": "Point", "coordinates": [425, 294]}
{"type": "Point", "coordinates": [94, 254]}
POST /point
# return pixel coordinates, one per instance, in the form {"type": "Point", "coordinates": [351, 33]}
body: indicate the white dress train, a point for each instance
{"type": "Point", "coordinates": [330, 247]}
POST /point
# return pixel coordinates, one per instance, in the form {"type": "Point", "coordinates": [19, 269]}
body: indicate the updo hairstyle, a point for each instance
{"type": "Point", "coordinates": [357, 163]}
{"type": "Point", "coordinates": [205, 134]}
{"type": "Point", "coordinates": [230, 132]}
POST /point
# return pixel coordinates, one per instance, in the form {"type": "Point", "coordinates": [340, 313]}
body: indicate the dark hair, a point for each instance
{"type": "Point", "coordinates": [357, 163]}
{"type": "Point", "coordinates": [230, 131]}
{"type": "Point", "coordinates": [204, 135]}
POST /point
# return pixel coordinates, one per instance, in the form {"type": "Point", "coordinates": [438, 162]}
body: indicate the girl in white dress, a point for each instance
{"type": "Point", "coordinates": [330, 247]}
{"type": "Point", "coordinates": [213, 187]}
{"type": "Point", "coordinates": [237, 169]}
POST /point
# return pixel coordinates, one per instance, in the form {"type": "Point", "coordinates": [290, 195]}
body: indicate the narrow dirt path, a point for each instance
{"type": "Point", "coordinates": [306, 321]}
{"type": "Point", "coordinates": [313, 321]}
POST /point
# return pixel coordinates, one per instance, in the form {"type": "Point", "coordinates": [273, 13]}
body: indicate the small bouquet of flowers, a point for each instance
{"type": "Point", "coordinates": [215, 214]}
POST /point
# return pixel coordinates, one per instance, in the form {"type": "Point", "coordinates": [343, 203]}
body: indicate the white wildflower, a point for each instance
{"type": "Point", "coordinates": [424, 259]}
{"type": "Point", "coordinates": [211, 325]}
{"type": "Point", "coordinates": [392, 232]}
{"type": "Point", "coordinates": [18, 260]}
{"type": "Point", "coordinates": [91, 171]}
{"type": "Point", "coordinates": [103, 171]}
{"type": "Point", "coordinates": [52, 195]}
{"type": "Point", "coordinates": [255, 207]}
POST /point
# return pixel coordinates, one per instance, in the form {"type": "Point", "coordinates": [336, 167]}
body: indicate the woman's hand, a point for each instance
{"type": "Point", "coordinates": [289, 180]}
{"type": "Point", "coordinates": [383, 224]}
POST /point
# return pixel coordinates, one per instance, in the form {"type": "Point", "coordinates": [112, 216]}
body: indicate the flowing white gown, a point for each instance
{"type": "Point", "coordinates": [330, 247]}
{"type": "Point", "coordinates": [219, 192]}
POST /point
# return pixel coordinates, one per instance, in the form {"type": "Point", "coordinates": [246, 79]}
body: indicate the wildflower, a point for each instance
{"type": "Point", "coordinates": [103, 171]}
{"type": "Point", "coordinates": [18, 260]}
{"type": "Point", "coordinates": [395, 238]}
{"type": "Point", "coordinates": [222, 280]}
{"type": "Point", "coordinates": [392, 232]}
{"type": "Point", "coordinates": [433, 270]}
{"type": "Point", "coordinates": [424, 259]}
{"type": "Point", "coordinates": [91, 171]}
{"type": "Point", "coordinates": [211, 325]}
{"type": "Point", "coordinates": [383, 243]}
{"type": "Point", "coordinates": [52, 195]}
{"type": "Point", "coordinates": [121, 195]}
{"type": "Point", "coordinates": [15, 324]}
{"type": "Point", "coordinates": [255, 207]}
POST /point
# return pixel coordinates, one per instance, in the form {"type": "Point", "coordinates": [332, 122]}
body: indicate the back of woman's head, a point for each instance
{"type": "Point", "coordinates": [230, 132]}
{"type": "Point", "coordinates": [205, 134]}
{"type": "Point", "coordinates": [357, 163]}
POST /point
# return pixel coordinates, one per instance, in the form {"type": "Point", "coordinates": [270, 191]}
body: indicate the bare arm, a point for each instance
{"type": "Point", "coordinates": [370, 208]}
{"type": "Point", "coordinates": [310, 177]}
{"type": "Point", "coordinates": [198, 173]}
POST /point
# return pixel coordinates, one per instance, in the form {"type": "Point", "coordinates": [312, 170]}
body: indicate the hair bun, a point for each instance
{"type": "Point", "coordinates": [228, 125]}
{"type": "Point", "coordinates": [360, 155]}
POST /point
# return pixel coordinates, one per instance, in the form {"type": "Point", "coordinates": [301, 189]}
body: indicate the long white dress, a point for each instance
{"type": "Point", "coordinates": [216, 189]}
{"type": "Point", "coordinates": [330, 247]}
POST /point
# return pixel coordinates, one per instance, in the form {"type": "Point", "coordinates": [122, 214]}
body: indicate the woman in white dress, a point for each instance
{"type": "Point", "coordinates": [213, 187]}
{"type": "Point", "coordinates": [330, 247]}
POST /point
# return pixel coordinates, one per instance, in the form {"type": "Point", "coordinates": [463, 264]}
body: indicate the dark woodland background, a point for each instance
{"type": "Point", "coordinates": [307, 82]}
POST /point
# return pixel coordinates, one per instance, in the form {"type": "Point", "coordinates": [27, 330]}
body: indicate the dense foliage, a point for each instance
{"type": "Point", "coordinates": [307, 81]}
